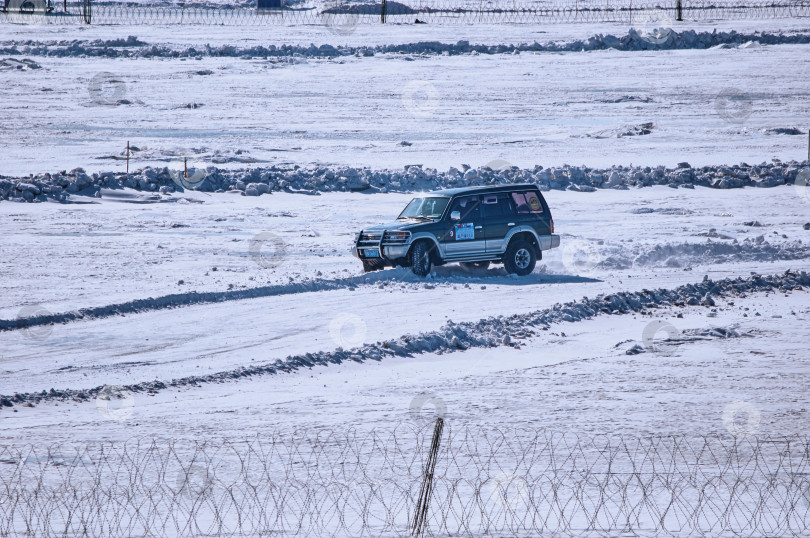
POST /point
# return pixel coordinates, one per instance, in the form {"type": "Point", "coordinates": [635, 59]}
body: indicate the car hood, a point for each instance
{"type": "Point", "coordinates": [399, 225]}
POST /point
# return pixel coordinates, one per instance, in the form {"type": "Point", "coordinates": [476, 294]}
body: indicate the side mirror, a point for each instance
{"type": "Point", "coordinates": [455, 215]}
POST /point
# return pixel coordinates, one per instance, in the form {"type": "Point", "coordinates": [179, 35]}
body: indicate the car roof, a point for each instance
{"type": "Point", "coordinates": [484, 189]}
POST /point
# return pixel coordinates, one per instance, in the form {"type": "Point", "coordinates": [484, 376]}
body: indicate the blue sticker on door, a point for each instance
{"type": "Point", "coordinates": [465, 231]}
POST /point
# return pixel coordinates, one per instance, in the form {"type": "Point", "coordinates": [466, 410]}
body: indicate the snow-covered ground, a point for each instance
{"type": "Point", "coordinates": [599, 107]}
{"type": "Point", "coordinates": [310, 295]}
{"type": "Point", "coordinates": [211, 316]}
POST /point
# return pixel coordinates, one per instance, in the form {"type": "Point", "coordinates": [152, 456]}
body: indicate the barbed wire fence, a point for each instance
{"type": "Point", "coordinates": [346, 15]}
{"type": "Point", "coordinates": [354, 483]}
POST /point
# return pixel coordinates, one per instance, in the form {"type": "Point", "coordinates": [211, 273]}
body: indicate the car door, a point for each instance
{"type": "Point", "coordinates": [499, 217]}
{"type": "Point", "coordinates": [465, 236]}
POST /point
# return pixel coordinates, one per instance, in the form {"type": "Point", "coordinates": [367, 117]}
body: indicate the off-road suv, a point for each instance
{"type": "Point", "coordinates": [474, 226]}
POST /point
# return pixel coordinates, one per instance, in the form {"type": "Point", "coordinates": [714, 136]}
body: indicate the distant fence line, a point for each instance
{"type": "Point", "coordinates": [352, 483]}
{"type": "Point", "coordinates": [344, 17]}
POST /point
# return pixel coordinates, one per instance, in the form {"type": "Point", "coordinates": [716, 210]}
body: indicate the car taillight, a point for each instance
{"type": "Point", "coordinates": [552, 225]}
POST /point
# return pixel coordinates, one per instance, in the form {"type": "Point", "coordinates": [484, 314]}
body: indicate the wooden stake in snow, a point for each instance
{"type": "Point", "coordinates": [185, 167]}
{"type": "Point", "coordinates": [420, 517]}
{"type": "Point", "coordinates": [127, 157]}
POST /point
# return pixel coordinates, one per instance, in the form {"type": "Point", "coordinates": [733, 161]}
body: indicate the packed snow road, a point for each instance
{"type": "Point", "coordinates": [311, 296]}
{"type": "Point", "coordinates": [608, 374]}
{"type": "Point", "coordinates": [65, 258]}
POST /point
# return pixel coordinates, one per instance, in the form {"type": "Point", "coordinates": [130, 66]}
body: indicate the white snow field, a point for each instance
{"type": "Point", "coordinates": [716, 106]}
{"type": "Point", "coordinates": [311, 295]}
{"type": "Point", "coordinates": [650, 377]}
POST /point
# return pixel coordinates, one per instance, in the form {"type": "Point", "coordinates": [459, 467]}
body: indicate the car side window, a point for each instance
{"type": "Point", "coordinates": [527, 203]}
{"type": "Point", "coordinates": [468, 206]}
{"type": "Point", "coordinates": [496, 205]}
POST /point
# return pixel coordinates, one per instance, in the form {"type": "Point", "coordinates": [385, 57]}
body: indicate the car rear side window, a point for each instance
{"type": "Point", "coordinates": [496, 205]}
{"type": "Point", "coordinates": [527, 203]}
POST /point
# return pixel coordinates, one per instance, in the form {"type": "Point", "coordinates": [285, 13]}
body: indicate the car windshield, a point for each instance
{"type": "Point", "coordinates": [427, 208]}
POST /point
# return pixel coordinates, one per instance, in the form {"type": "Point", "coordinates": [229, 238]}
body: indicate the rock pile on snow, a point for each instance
{"type": "Point", "coordinates": [311, 180]}
{"type": "Point", "coordinates": [132, 47]}
{"type": "Point", "coordinates": [8, 64]}
{"type": "Point", "coordinates": [487, 332]}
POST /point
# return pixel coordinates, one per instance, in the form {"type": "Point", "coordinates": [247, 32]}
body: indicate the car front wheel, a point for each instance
{"type": "Point", "coordinates": [520, 258]}
{"type": "Point", "coordinates": [420, 259]}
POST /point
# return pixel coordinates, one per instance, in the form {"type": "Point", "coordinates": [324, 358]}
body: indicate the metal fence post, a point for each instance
{"type": "Point", "coordinates": [420, 517]}
{"type": "Point", "coordinates": [87, 12]}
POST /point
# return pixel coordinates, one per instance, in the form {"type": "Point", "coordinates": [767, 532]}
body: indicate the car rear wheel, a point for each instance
{"type": "Point", "coordinates": [520, 258]}
{"type": "Point", "coordinates": [420, 259]}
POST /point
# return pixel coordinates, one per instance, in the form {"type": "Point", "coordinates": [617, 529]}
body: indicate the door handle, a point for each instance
{"type": "Point", "coordinates": [478, 227]}
{"type": "Point", "coordinates": [511, 224]}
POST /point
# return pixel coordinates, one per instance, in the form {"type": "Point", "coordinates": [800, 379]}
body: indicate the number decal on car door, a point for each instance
{"type": "Point", "coordinates": [465, 231]}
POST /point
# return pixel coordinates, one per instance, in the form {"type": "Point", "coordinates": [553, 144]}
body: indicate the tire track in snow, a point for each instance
{"type": "Point", "coordinates": [618, 258]}
{"type": "Point", "coordinates": [177, 300]}
{"type": "Point", "coordinates": [488, 332]}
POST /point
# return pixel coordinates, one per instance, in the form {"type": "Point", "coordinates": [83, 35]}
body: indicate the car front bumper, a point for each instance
{"type": "Point", "coordinates": [388, 252]}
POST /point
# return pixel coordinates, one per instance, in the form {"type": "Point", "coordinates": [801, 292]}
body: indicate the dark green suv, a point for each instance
{"type": "Point", "coordinates": [474, 226]}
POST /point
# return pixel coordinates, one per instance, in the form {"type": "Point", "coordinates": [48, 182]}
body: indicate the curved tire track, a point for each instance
{"type": "Point", "coordinates": [487, 332]}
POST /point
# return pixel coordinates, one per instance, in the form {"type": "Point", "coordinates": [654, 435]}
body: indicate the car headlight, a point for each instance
{"type": "Point", "coordinates": [397, 236]}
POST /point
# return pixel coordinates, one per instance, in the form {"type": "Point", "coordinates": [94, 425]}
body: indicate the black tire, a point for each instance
{"type": "Point", "coordinates": [373, 265]}
{"type": "Point", "coordinates": [475, 266]}
{"type": "Point", "coordinates": [520, 258]}
{"type": "Point", "coordinates": [420, 259]}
